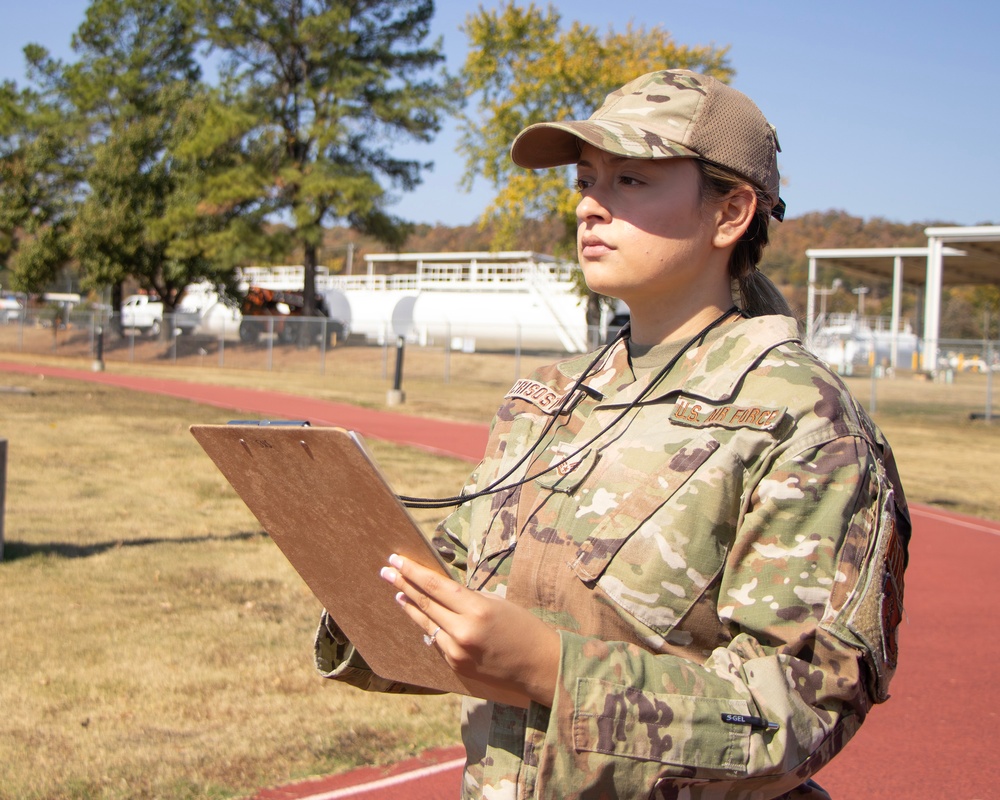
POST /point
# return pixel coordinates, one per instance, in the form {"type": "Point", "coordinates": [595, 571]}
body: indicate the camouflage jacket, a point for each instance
{"type": "Point", "coordinates": [722, 553]}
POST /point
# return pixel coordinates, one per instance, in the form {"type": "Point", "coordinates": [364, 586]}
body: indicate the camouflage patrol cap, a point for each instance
{"type": "Point", "coordinates": [673, 113]}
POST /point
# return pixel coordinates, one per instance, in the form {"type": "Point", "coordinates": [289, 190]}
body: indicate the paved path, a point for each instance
{"type": "Point", "coordinates": [459, 439]}
{"type": "Point", "coordinates": [934, 740]}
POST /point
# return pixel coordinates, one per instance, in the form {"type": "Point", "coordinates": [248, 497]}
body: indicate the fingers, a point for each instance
{"type": "Point", "coordinates": [419, 600]}
{"type": "Point", "coordinates": [497, 643]}
{"type": "Point", "coordinates": [431, 586]}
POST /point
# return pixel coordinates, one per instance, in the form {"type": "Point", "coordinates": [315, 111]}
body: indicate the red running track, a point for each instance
{"type": "Point", "coordinates": [463, 440]}
{"type": "Point", "coordinates": [936, 738]}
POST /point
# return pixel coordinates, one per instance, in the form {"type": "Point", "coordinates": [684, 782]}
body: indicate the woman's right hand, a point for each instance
{"type": "Point", "coordinates": [482, 637]}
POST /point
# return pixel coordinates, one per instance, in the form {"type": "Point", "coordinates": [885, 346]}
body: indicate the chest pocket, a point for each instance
{"type": "Point", "coordinates": [653, 557]}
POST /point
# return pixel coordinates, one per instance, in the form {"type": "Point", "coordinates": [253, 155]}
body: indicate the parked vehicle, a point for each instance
{"type": "Point", "coordinates": [142, 313]}
{"type": "Point", "coordinates": [10, 309]}
{"type": "Point", "coordinates": [205, 311]}
{"type": "Point", "coordinates": [270, 311]}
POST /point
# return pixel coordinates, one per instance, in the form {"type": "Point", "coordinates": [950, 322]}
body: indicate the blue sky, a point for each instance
{"type": "Point", "coordinates": [883, 108]}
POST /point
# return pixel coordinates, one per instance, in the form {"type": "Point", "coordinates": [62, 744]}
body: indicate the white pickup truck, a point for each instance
{"type": "Point", "coordinates": [142, 313]}
{"type": "Point", "coordinates": [10, 309]}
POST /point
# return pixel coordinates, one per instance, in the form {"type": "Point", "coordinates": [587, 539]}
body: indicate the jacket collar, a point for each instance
{"type": "Point", "coordinates": [711, 370]}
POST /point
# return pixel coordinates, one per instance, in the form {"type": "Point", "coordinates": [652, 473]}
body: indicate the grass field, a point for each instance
{"type": "Point", "coordinates": [157, 645]}
{"type": "Point", "coordinates": [155, 642]}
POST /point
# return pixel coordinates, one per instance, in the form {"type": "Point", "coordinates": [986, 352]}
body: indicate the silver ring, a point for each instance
{"type": "Point", "coordinates": [430, 637]}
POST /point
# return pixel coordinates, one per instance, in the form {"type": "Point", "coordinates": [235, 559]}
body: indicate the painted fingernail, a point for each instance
{"type": "Point", "coordinates": [388, 575]}
{"type": "Point", "coordinates": [396, 561]}
{"type": "Point", "coordinates": [401, 598]}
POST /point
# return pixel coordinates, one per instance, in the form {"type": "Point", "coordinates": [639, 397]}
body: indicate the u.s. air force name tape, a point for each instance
{"type": "Point", "coordinates": [698, 414]}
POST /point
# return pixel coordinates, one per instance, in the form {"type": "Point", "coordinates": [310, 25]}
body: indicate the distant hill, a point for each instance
{"type": "Point", "coordinates": [784, 260]}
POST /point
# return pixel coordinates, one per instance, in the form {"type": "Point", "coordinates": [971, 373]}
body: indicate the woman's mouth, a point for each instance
{"type": "Point", "coordinates": [593, 247]}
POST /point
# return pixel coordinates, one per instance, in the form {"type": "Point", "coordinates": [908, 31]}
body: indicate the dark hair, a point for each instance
{"type": "Point", "coordinates": [757, 293]}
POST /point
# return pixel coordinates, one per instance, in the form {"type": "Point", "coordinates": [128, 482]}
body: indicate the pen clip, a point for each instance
{"type": "Point", "coordinates": [753, 722]}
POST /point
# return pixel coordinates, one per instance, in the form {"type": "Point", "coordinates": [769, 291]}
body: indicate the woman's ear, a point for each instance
{"type": "Point", "coordinates": [733, 215]}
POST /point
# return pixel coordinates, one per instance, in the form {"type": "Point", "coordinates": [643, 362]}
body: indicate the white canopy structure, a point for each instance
{"type": "Point", "coordinates": [954, 256]}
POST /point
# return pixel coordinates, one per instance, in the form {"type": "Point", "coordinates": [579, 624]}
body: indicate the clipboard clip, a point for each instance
{"type": "Point", "coordinates": [300, 423]}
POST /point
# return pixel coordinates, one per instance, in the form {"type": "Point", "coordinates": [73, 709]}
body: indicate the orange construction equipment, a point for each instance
{"type": "Point", "coordinates": [268, 310]}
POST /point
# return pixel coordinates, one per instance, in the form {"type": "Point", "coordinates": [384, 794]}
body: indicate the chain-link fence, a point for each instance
{"type": "Point", "coordinates": [485, 354]}
{"type": "Point", "coordinates": [283, 343]}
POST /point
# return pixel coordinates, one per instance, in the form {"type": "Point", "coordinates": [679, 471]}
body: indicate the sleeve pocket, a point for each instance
{"type": "Point", "coordinates": [673, 729]}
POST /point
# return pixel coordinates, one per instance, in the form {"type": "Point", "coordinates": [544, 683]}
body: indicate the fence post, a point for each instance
{"type": "Point", "coordinates": [988, 359]}
{"type": "Point", "coordinates": [97, 365]}
{"type": "Point", "coordinates": [324, 321]}
{"type": "Point", "coordinates": [270, 343]}
{"type": "Point", "coordinates": [517, 353]}
{"type": "Point", "coordinates": [447, 352]}
{"type": "Point", "coordinates": [3, 488]}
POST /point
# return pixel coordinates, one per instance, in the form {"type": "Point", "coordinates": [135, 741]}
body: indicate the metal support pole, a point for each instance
{"type": "Point", "coordinates": [98, 365]}
{"type": "Point", "coordinates": [395, 395]}
{"type": "Point", "coordinates": [811, 305]}
{"type": "Point", "coordinates": [897, 304]}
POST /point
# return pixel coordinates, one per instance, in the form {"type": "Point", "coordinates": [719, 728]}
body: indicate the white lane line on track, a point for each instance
{"type": "Point", "coordinates": [384, 783]}
{"type": "Point", "coordinates": [955, 521]}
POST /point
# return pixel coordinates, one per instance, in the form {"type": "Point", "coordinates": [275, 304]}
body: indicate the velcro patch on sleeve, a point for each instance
{"type": "Point", "coordinates": [538, 394]}
{"type": "Point", "coordinates": [698, 414]}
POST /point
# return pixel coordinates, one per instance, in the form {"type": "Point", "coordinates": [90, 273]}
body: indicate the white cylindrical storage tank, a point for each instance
{"type": "Point", "coordinates": [339, 308]}
{"type": "Point", "coordinates": [371, 312]}
{"type": "Point", "coordinates": [220, 319]}
{"type": "Point", "coordinates": [484, 320]}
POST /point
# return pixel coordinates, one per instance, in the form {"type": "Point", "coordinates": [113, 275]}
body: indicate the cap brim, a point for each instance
{"type": "Point", "coordinates": [554, 144]}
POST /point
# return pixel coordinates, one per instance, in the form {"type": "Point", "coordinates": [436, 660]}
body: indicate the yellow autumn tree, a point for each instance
{"type": "Point", "coordinates": [524, 67]}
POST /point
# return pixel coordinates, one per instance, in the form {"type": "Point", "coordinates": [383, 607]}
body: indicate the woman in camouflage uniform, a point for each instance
{"type": "Point", "coordinates": [681, 557]}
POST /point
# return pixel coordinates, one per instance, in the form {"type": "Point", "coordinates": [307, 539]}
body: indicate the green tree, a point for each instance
{"type": "Point", "coordinates": [971, 312]}
{"type": "Point", "coordinates": [523, 67]}
{"type": "Point", "coordinates": [315, 93]}
{"type": "Point", "coordinates": [136, 89]}
{"type": "Point", "coordinates": [38, 176]}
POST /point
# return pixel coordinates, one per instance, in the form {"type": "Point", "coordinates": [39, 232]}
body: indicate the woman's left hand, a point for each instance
{"type": "Point", "coordinates": [482, 637]}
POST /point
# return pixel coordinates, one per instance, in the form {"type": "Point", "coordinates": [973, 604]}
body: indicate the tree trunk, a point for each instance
{"type": "Point", "coordinates": [306, 329]}
{"type": "Point", "coordinates": [309, 280]}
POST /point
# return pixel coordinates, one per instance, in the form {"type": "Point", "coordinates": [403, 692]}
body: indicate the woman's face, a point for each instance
{"type": "Point", "coordinates": [644, 235]}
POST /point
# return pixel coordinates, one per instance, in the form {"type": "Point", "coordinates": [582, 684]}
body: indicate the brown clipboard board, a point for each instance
{"type": "Point", "coordinates": [325, 503]}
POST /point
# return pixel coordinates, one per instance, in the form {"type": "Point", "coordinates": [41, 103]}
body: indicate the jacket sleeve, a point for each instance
{"type": "Point", "coordinates": [809, 596]}
{"type": "Point", "coordinates": [337, 659]}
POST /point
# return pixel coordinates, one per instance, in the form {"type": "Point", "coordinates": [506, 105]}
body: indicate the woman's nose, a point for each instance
{"type": "Point", "coordinates": [590, 207]}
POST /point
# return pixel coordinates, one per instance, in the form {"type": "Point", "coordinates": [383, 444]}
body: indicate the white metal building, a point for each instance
{"type": "Point", "coordinates": [468, 299]}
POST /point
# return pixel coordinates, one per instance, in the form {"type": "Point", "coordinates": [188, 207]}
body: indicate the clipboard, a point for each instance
{"type": "Point", "coordinates": [327, 506]}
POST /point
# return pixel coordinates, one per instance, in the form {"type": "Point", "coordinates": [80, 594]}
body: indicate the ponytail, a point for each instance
{"type": "Point", "coordinates": [757, 294]}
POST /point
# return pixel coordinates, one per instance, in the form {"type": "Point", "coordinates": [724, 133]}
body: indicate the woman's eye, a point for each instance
{"type": "Point", "coordinates": [582, 183]}
{"type": "Point", "coordinates": [628, 180]}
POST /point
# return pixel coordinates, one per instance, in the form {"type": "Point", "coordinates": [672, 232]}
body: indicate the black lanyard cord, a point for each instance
{"type": "Point", "coordinates": [496, 486]}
